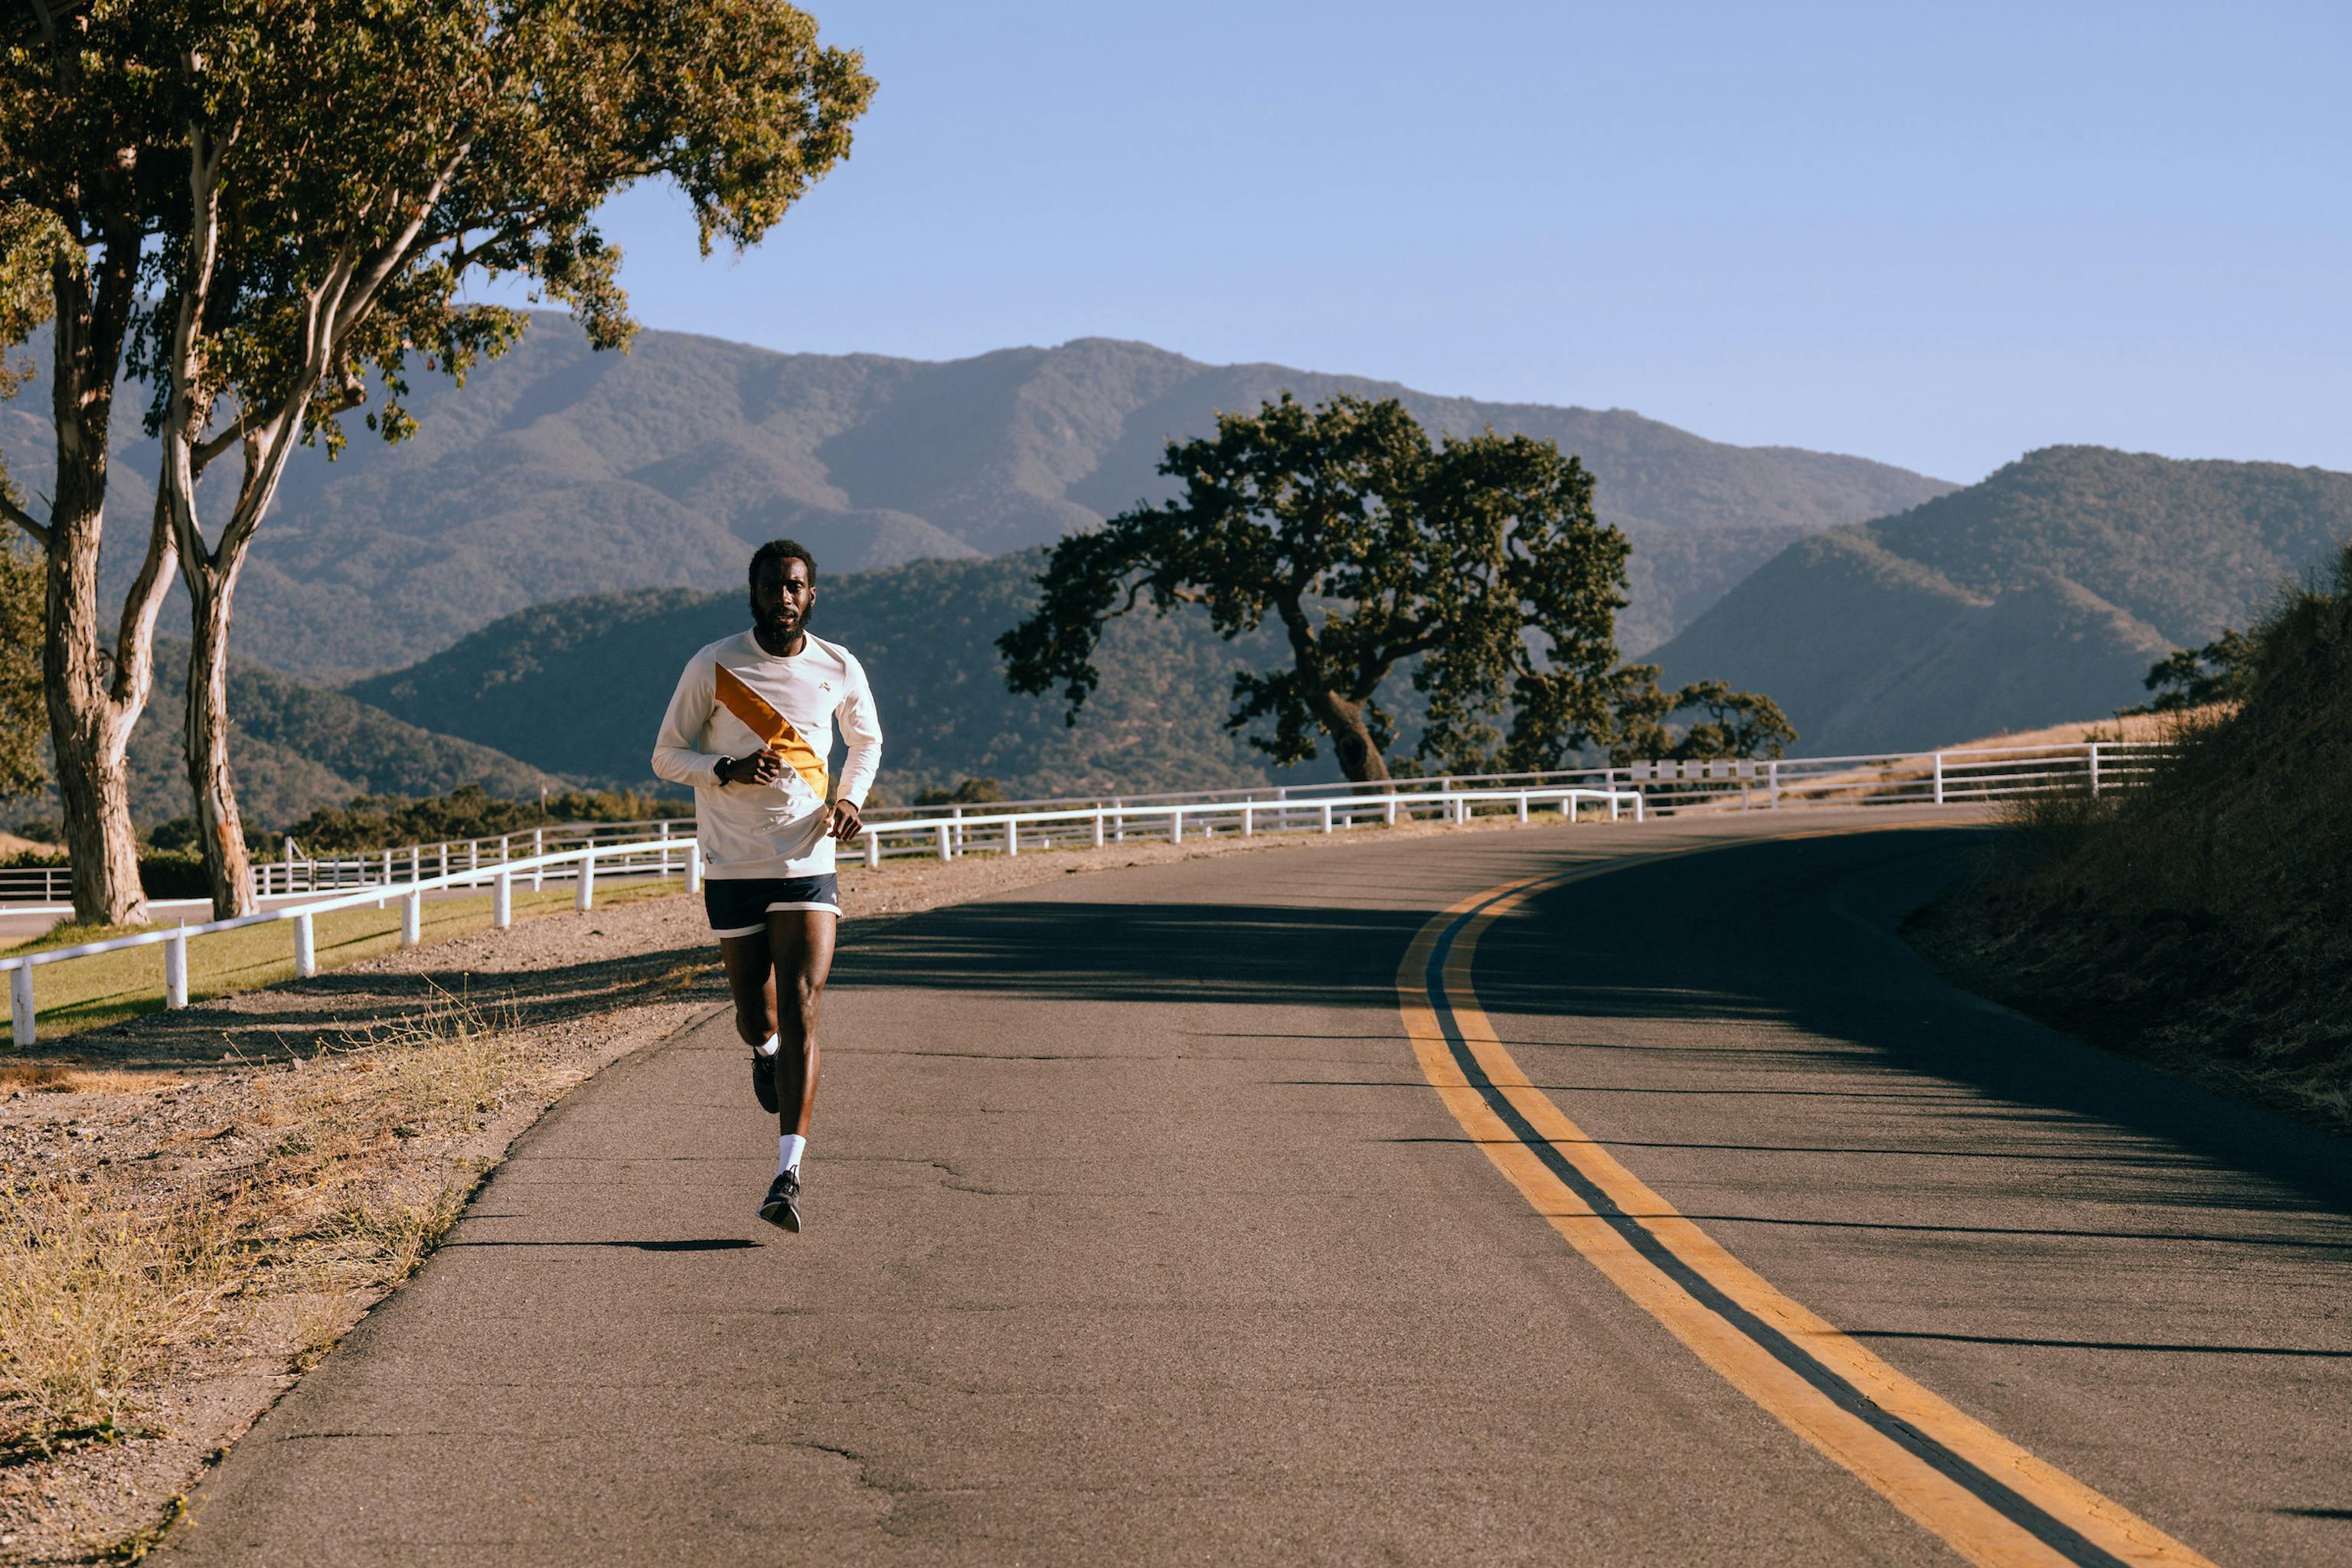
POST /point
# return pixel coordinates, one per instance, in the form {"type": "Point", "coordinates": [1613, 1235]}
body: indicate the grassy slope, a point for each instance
{"type": "Point", "coordinates": [91, 993]}
{"type": "Point", "coordinates": [2204, 922]}
{"type": "Point", "coordinates": [2041, 594]}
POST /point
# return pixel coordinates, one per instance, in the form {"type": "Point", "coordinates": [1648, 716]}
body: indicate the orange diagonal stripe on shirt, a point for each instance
{"type": "Point", "coordinates": [774, 729]}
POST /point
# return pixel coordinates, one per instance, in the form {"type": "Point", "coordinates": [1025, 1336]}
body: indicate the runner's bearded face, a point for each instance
{"type": "Point", "coordinates": [782, 598]}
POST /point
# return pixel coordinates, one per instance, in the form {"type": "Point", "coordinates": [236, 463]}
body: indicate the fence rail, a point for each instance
{"type": "Point", "coordinates": [1934, 778]}
{"type": "Point", "coordinates": [667, 854]}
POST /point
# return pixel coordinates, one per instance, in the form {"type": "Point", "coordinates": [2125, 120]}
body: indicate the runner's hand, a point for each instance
{"type": "Point", "coordinates": [844, 820]}
{"type": "Point", "coordinates": [762, 767]}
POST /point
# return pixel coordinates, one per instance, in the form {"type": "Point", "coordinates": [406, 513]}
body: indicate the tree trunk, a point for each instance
{"type": "Point", "coordinates": [1351, 738]}
{"type": "Point", "coordinates": [94, 785]}
{"type": "Point", "coordinates": [220, 829]}
{"type": "Point", "coordinates": [95, 694]}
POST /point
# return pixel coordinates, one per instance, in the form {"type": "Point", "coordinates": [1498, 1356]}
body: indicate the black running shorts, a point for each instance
{"type": "Point", "coordinates": [738, 906]}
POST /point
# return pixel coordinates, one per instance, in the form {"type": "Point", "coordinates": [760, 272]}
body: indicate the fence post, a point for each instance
{"type": "Point", "coordinates": [473, 854]}
{"type": "Point", "coordinates": [693, 865]}
{"type": "Point", "coordinates": [412, 918]}
{"type": "Point", "coordinates": [538, 848]}
{"type": "Point", "coordinates": [175, 967]}
{"type": "Point", "coordinates": [1326, 817]}
{"type": "Point", "coordinates": [306, 949]}
{"type": "Point", "coordinates": [1522, 805]}
{"type": "Point", "coordinates": [1098, 828]}
{"type": "Point", "coordinates": [1772, 785]}
{"type": "Point", "coordinates": [1176, 826]}
{"type": "Point", "coordinates": [946, 853]}
{"type": "Point", "coordinates": [415, 864]}
{"type": "Point", "coordinates": [1012, 837]}
{"type": "Point", "coordinates": [873, 849]}
{"type": "Point", "coordinates": [1939, 778]}
{"type": "Point", "coordinates": [1567, 805]}
{"type": "Point", "coordinates": [503, 901]}
{"type": "Point", "coordinates": [1388, 811]}
{"type": "Point", "coordinates": [2094, 767]}
{"type": "Point", "coordinates": [1249, 820]}
{"type": "Point", "coordinates": [20, 1005]}
{"type": "Point", "coordinates": [585, 897]}
{"type": "Point", "coordinates": [444, 857]}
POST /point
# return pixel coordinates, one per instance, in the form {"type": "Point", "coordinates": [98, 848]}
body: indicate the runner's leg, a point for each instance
{"type": "Point", "coordinates": [751, 980]}
{"type": "Point", "coordinates": [802, 942]}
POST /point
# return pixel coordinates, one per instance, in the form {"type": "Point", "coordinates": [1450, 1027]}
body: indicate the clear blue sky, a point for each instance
{"type": "Point", "coordinates": [1934, 235]}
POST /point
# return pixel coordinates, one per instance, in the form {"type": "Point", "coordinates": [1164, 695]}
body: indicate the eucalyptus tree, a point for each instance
{"type": "Point", "coordinates": [83, 187]}
{"type": "Point", "coordinates": [352, 168]}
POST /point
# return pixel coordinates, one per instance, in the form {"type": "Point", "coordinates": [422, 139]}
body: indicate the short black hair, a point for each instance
{"type": "Point", "coordinates": [780, 550]}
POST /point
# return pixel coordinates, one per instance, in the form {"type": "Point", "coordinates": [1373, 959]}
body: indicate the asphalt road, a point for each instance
{"type": "Point", "coordinates": [1138, 1232]}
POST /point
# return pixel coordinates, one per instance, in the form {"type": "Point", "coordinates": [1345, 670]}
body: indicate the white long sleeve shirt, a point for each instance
{"type": "Point", "coordinates": [778, 829]}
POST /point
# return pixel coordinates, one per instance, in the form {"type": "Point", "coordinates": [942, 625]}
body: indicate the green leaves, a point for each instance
{"type": "Point", "coordinates": [321, 180]}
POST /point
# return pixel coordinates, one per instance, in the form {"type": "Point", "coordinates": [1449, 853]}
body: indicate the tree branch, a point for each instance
{"type": "Point", "coordinates": [11, 512]}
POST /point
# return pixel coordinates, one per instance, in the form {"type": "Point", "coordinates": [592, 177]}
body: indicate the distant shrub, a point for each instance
{"type": "Point", "coordinates": [971, 791]}
{"type": "Point", "coordinates": [162, 874]}
{"type": "Point", "coordinates": [387, 822]}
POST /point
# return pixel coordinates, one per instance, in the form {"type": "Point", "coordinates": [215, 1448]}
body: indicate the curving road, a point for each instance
{"type": "Point", "coordinates": [1609, 1195]}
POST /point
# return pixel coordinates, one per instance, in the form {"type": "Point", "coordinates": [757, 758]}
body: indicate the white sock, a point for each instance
{"type": "Point", "coordinates": [789, 1147]}
{"type": "Point", "coordinates": [770, 1048]}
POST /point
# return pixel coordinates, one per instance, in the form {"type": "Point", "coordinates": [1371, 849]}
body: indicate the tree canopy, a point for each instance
{"type": "Point", "coordinates": [2189, 678]}
{"type": "Point", "coordinates": [287, 200]}
{"type": "Point", "coordinates": [1477, 561]}
{"type": "Point", "coordinates": [21, 713]}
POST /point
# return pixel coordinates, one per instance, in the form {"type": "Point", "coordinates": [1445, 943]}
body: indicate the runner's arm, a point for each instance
{"type": "Point", "coordinates": [678, 755]}
{"type": "Point", "coordinates": [861, 731]}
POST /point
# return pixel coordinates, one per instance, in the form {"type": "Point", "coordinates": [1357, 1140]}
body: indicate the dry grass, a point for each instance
{"type": "Point", "coordinates": [351, 1182]}
{"type": "Point", "coordinates": [96, 1291]}
{"type": "Point", "coordinates": [2125, 727]}
{"type": "Point", "coordinates": [60, 1078]}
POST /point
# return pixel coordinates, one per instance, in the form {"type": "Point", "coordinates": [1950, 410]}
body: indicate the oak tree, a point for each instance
{"type": "Point", "coordinates": [1476, 560]}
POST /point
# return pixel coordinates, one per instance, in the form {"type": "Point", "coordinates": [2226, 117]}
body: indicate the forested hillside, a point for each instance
{"type": "Point", "coordinates": [578, 686]}
{"type": "Point", "coordinates": [298, 747]}
{"type": "Point", "coordinates": [556, 471]}
{"type": "Point", "coordinates": [2039, 595]}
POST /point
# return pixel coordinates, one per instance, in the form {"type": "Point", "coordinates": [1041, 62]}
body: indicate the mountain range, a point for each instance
{"type": "Point", "coordinates": [557, 472]}
{"type": "Point", "coordinates": [2039, 595]}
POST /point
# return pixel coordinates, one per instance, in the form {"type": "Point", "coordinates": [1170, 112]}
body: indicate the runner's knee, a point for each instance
{"type": "Point", "coordinates": [754, 1023]}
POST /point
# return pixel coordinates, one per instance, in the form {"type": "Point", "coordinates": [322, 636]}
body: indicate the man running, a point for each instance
{"type": "Point", "coordinates": [750, 728]}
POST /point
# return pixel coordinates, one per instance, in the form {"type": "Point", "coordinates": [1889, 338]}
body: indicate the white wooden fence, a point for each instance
{"type": "Point", "coordinates": [666, 848]}
{"type": "Point", "coordinates": [946, 837]}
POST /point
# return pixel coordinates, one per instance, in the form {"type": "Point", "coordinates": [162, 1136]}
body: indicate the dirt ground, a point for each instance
{"type": "Point", "coordinates": [284, 1116]}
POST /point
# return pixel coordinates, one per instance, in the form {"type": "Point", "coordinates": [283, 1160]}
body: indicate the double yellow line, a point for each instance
{"type": "Point", "coordinates": [1990, 1500]}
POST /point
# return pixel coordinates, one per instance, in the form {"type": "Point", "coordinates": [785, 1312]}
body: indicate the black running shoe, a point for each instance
{"type": "Point", "coordinates": [783, 1204]}
{"type": "Point", "coordinates": [764, 1079]}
